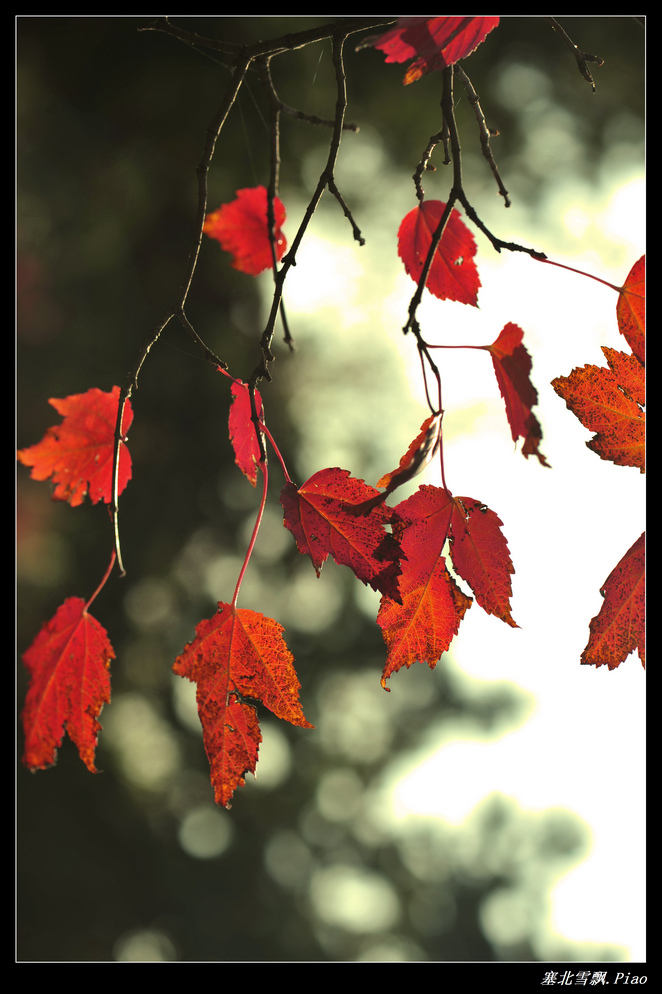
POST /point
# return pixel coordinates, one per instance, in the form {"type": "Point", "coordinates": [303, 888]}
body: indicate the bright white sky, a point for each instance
{"type": "Point", "coordinates": [583, 746]}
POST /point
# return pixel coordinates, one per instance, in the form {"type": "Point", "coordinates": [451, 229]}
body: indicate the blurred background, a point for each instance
{"type": "Point", "coordinates": [489, 809]}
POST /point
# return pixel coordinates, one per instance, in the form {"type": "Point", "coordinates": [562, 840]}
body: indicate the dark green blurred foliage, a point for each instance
{"type": "Point", "coordinates": [111, 125]}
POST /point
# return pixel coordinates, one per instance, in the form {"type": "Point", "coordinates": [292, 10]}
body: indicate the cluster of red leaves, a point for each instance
{"type": "Point", "coordinates": [239, 653]}
{"type": "Point", "coordinates": [69, 659]}
{"type": "Point", "coordinates": [242, 229]}
{"type": "Point", "coordinates": [609, 400]}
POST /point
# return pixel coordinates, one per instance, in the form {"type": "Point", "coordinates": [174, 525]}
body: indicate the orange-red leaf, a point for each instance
{"type": "Point", "coordinates": [619, 628]}
{"type": "Point", "coordinates": [78, 454]}
{"type": "Point", "coordinates": [478, 548]}
{"type": "Point", "coordinates": [424, 625]}
{"type": "Point", "coordinates": [610, 402]}
{"type": "Point", "coordinates": [437, 41]}
{"type": "Point", "coordinates": [321, 516]}
{"type": "Point", "coordinates": [631, 309]}
{"type": "Point", "coordinates": [481, 557]}
{"type": "Point", "coordinates": [453, 274]}
{"type": "Point", "coordinates": [242, 229]}
{"type": "Point", "coordinates": [417, 456]}
{"type": "Point", "coordinates": [512, 365]}
{"type": "Point", "coordinates": [238, 653]}
{"type": "Point", "coordinates": [69, 684]}
{"type": "Point", "coordinates": [242, 430]}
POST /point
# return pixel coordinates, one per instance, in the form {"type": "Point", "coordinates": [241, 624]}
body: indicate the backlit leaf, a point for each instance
{"type": "Point", "coordinates": [512, 365]}
{"type": "Point", "coordinates": [68, 664]}
{"type": "Point", "coordinates": [435, 42]}
{"type": "Point", "coordinates": [631, 309]}
{"type": "Point", "coordinates": [610, 402]}
{"type": "Point", "coordinates": [242, 430]}
{"type": "Point", "coordinates": [242, 229]}
{"type": "Point", "coordinates": [422, 628]}
{"type": "Point", "coordinates": [238, 653]}
{"type": "Point", "coordinates": [619, 628]}
{"type": "Point", "coordinates": [77, 455]}
{"type": "Point", "coordinates": [453, 274]}
{"type": "Point", "coordinates": [320, 515]}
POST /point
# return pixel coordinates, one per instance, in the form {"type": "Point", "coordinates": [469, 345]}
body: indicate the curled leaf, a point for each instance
{"type": "Point", "coordinates": [435, 42]}
{"type": "Point", "coordinates": [512, 366]}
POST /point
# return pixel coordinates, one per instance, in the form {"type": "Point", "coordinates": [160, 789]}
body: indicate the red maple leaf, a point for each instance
{"type": "Point", "coordinates": [238, 653]}
{"type": "Point", "coordinates": [480, 556]}
{"type": "Point", "coordinates": [610, 402]}
{"type": "Point", "coordinates": [69, 684]}
{"type": "Point", "coordinates": [242, 229]}
{"type": "Point", "coordinates": [437, 41]}
{"type": "Point", "coordinates": [321, 516]}
{"type": "Point", "coordinates": [453, 274]}
{"type": "Point", "coordinates": [631, 309]}
{"type": "Point", "coordinates": [78, 454]}
{"type": "Point", "coordinates": [619, 628]}
{"type": "Point", "coordinates": [242, 430]}
{"type": "Point", "coordinates": [422, 627]}
{"type": "Point", "coordinates": [512, 365]}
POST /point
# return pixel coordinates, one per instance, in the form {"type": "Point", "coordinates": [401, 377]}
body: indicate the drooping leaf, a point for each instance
{"type": "Point", "coordinates": [422, 628]}
{"type": "Point", "coordinates": [238, 653]}
{"type": "Point", "coordinates": [78, 454]}
{"type": "Point", "coordinates": [481, 557]}
{"type": "Point", "coordinates": [619, 628]}
{"type": "Point", "coordinates": [435, 42]}
{"type": "Point", "coordinates": [453, 274]}
{"type": "Point", "coordinates": [68, 664]}
{"type": "Point", "coordinates": [631, 309]}
{"type": "Point", "coordinates": [512, 365]}
{"type": "Point", "coordinates": [242, 430]}
{"type": "Point", "coordinates": [610, 402]}
{"type": "Point", "coordinates": [242, 229]}
{"type": "Point", "coordinates": [320, 514]}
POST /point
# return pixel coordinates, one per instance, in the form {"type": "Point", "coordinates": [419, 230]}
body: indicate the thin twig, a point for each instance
{"type": "Point", "coordinates": [484, 131]}
{"type": "Point", "coordinates": [581, 58]}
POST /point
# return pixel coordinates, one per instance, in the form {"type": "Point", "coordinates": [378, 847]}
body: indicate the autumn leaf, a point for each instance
{"type": "Point", "coordinates": [423, 626]}
{"type": "Point", "coordinates": [320, 516]}
{"type": "Point", "coordinates": [78, 454]}
{"type": "Point", "coordinates": [481, 557]}
{"type": "Point", "coordinates": [610, 403]}
{"type": "Point", "coordinates": [631, 309]}
{"type": "Point", "coordinates": [238, 653]}
{"type": "Point", "coordinates": [416, 458]}
{"type": "Point", "coordinates": [242, 430]}
{"type": "Point", "coordinates": [619, 628]}
{"type": "Point", "coordinates": [453, 274]}
{"type": "Point", "coordinates": [242, 229]}
{"type": "Point", "coordinates": [437, 41]}
{"type": "Point", "coordinates": [69, 684]}
{"type": "Point", "coordinates": [512, 365]}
